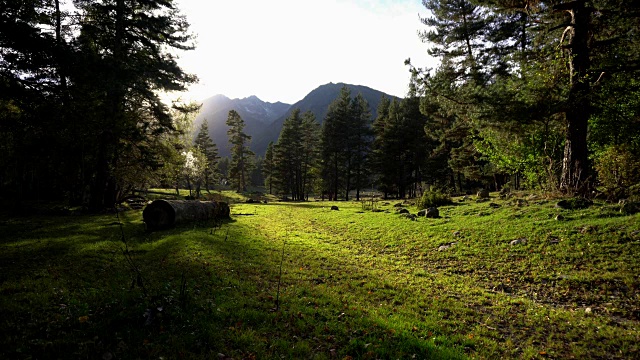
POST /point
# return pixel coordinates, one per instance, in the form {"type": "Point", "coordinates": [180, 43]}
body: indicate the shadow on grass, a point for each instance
{"type": "Point", "coordinates": [209, 291]}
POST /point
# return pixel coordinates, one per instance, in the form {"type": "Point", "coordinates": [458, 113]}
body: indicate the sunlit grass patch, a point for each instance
{"type": "Point", "coordinates": [300, 280]}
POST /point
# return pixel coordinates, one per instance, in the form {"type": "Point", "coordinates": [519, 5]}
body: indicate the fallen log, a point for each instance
{"type": "Point", "coordinates": [164, 214]}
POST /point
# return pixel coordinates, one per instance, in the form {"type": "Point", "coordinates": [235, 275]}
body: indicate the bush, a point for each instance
{"type": "Point", "coordinates": [433, 198]}
{"type": "Point", "coordinates": [618, 171]}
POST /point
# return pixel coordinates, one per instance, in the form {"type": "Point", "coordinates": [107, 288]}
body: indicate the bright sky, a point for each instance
{"type": "Point", "coordinates": [280, 50]}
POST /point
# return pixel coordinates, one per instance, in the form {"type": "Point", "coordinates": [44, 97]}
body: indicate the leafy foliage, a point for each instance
{"type": "Point", "coordinates": [618, 171]}
{"type": "Point", "coordinates": [433, 198]}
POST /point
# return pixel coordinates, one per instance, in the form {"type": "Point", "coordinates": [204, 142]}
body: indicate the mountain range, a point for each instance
{"type": "Point", "coordinates": [263, 120]}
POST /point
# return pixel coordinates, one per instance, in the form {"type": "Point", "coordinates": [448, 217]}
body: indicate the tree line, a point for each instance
{"type": "Point", "coordinates": [527, 94]}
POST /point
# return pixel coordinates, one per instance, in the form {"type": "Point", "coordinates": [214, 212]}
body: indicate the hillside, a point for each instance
{"type": "Point", "coordinates": [257, 114]}
{"type": "Point", "coordinates": [317, 101]}
{"type": "Point", "coordinates": [264, 120]}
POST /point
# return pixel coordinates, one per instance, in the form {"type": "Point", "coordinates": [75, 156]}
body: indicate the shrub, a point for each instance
{"type": "Point", "coordinates": [433, 198]}
{"type": "Point", "coordinates": [618, 171]}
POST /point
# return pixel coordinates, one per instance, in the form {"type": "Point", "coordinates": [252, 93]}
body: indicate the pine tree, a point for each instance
{"type": "Point", "coordinates": [295, 154]}
{"type": "Point", "coordinates": [380, 157]}
{"type": "Point", "coordinates": [241, 156]}
{"type": "Point", "coordinates": [360, 139]}
{"type": "Point", "coordinates": [310, 135]}
{"type": "Point", "coordinates": [208, 148]}
{"type": "Point", "coordinates": [287, 157]}
{"type": "Point", "coordinates": [268, 168]}
{"type": "Point", "coordinates": [335, 147]}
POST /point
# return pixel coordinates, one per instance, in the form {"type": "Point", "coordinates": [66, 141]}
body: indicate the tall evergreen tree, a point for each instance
{"type": "Point", "coordinates": [360, 138]}
{"type": "Point", "coordinates": [310, 148]}
{"type": "Point", "coordinates": [335, 145]}
{"type": "Point", "coordinates": [241, 156]}
{"type": "Point", "coordinates": [268, 168]}
{"type": "Point", "coordinates": [287, 157]}
{"type": "Point", "coordinates": [208, 148]}
{"type": "Point", "coordinates": [294, 156]}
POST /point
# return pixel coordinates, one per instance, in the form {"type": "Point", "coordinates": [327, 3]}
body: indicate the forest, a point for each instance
{"type": "Point", "coordinates": [528, 95]}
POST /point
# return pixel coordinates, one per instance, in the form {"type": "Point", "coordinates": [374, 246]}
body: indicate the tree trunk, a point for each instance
{"type": "Point", "coordinates": [575, 166]}
{"type": "Point", "coordinates": [164, 214]}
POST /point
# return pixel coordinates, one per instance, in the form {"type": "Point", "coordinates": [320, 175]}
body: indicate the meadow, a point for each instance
{"type": "Point", "coordinates": [496, 279]}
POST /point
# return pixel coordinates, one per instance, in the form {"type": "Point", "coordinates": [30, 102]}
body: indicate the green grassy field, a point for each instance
{"type": "Point", "coordinates": [298, 280]}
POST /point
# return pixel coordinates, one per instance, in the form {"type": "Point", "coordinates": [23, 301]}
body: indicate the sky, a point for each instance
{"type": "Point", "coordinates": [280, 50]}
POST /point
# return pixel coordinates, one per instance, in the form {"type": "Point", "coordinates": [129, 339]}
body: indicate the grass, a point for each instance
{"type": "Point", "coordinates": [354, 284]}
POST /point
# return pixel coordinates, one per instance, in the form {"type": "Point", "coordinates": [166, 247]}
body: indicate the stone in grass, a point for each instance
{"type": "Point", "coordinates": [403, 211]}
{"type": "Point", "coordinates": [432, 213]}
{"type": "Point", "coordinates": [483, 194]}
{"type": "Point", "coordinates": [630, 208]}
{"type": "Point", "coordinates": [446, 246]}
{"type": "Point", "coordinates": [518, 241]}
{"type": "Point", "coordinates": [398, 205]}
{"type": "Point", "coordinates": [520, 202]}
{"type": "Point", "coordinates": [411, 217]}
{"type": "Point", "coordinates": [559, 217]}
{"type": "Point", "coordinates": [494, 205]}
{"type": "Point", "coordinates": [574, 203]}
{"type": "Point", "coordinates": [422, 213]}
{"type": "Point", "coordinates": [333, 207]}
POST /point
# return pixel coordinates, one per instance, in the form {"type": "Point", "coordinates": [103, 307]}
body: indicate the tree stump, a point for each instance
{"type": "Point", "coordinates": [164, 214]}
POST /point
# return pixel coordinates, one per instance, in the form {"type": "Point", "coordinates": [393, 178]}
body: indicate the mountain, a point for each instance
{"type": "Point", "coordinates": [256, 114]}
{"type": "Point", "coordinates": [264, 120]}
{"type": "Point", "coordinates": [317, 101]}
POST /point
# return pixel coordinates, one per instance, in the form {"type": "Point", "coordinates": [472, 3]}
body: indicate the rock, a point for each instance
{"type": "Point", "coordinates": [518, 241]}
{"type": "Point", "coordinates": [588, 310]}
{"type": "Point", "coordinates": [403, 211]}
{"type": "Point", "coordinates": [483, 194]}
{"type": "Point", "coordinates": [406, 215]}
{"type": "Point", "coordinates": [264, 201]}
{"type": "Point", "coordinates": [432, 213]}
{"type": "Point", "coordinates": [520, 202]}
{"type": "Point", "coordinates": [505, 191]}
{"type": "Point", "coordinates": [446, 246]}
{"type": "Point", "coordinates": [574, 203]}
{"type": "Point", "coordinates": [333, 207]}
{"type": "Point", "coordinates": [398, 205]}
{"type": "Point", "coordinates": [559, 217]}
{"type": "Point", "coordinates": [494, 205]}
{"type": "Point", "coordinates": [554, 240]}
{"type": "Point", "coordinates": [457, 233]}
{"type": "Point", "coordinates": [250, 201]}
{"type": "Point", "coordinates": [422, 213]}
{"type": "Point", "coordinates": [465, 198]}
{"type": "Point", "coordinates": [532, 197]}
{"type": "Point", "coordinates": [630, 208]}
